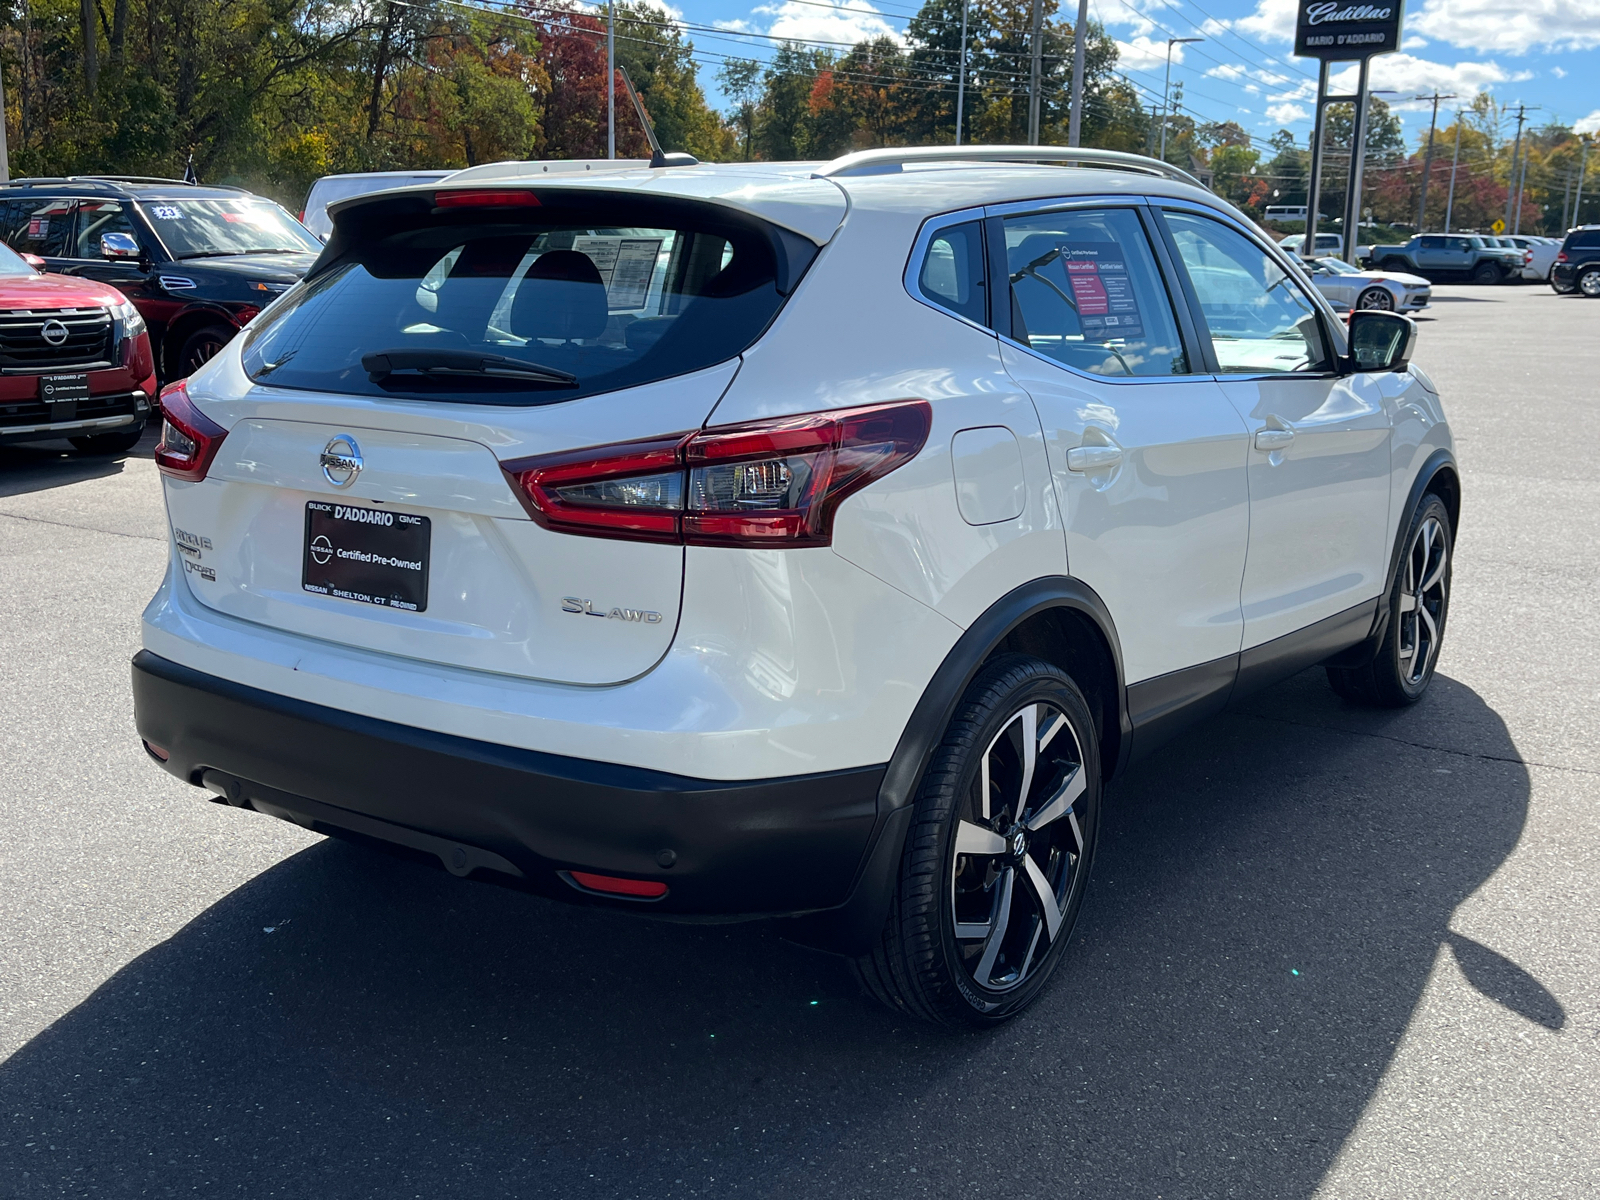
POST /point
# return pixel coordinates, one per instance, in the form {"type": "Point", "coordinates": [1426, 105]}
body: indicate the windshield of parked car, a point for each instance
{"type": "Point", "coordinates": [11, 263]}
{"type": "Point", "coordinates": [498, 308]}
{"type": "Point", "coordinates": [1338, 266]}
{"type": "Point", "coordinates": [210, 228]}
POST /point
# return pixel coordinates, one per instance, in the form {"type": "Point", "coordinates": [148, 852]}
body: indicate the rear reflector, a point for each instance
{"type": "Point", "coordinates": [508, 198]}
{"type": "Point", "coordinates": [157, 752]}
{"type": "Point", "coordinates": [638, 889]}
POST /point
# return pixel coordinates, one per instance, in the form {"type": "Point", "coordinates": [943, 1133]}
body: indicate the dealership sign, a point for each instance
{"type": "Point", "coordinates": [1344, 31]}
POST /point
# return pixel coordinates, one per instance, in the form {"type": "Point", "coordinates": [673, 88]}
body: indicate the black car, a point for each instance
{"type": "Point", "coordinates": [1577, 267]}
{"type": "Point", "coordinates": [198, 262]}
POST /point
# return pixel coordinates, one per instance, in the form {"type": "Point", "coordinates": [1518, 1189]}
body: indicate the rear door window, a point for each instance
{"type": "Point", "coordinates": [42, 227]}
{"type": "Point", "coordinates": [491, 307]}
{"type": "Point", "coordinates": [1086, 292]}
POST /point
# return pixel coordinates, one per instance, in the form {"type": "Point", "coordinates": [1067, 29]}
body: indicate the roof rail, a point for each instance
{"type": "Point", "coordinates": [224, 187]}
{"type": "Point", "coordinates": [888, 160]}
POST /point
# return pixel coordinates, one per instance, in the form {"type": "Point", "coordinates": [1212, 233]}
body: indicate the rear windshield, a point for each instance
{"type": "Point", "coordinates": [523, 306]}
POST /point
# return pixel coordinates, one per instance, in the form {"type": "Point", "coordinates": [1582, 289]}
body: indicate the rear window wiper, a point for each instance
{"type": "Point", "coordinates": [384, 363]}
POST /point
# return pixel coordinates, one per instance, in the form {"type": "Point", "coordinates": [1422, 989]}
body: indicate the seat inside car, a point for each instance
{"type": "Point", "coordinates": [561, 299]}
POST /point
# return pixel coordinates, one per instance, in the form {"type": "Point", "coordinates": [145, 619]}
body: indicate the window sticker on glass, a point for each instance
{"type": "Point", "coordinates": [166, 212]}
{"type": "Point", "coordinates": [1098, 273]}
{"type": "Point", "coordinates": [626, 266]}
{"type": "Point", "coordinates": [38, 227]}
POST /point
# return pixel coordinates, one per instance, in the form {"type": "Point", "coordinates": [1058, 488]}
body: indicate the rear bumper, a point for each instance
{"type": "Point", "coordinates": [767, 847]}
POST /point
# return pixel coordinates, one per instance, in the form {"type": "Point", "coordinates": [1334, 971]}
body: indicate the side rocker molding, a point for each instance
{"type": "Point", "coordinates": [1439, 461]}
{"type": "Point", "coordinates": [853, 927]}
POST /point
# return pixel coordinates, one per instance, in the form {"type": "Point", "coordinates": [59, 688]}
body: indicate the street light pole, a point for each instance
{"type": "Point", "coordinates": [1166, 90]}
{"type": "Point", "coordinates": [1583, 166]}
{"type": "Point", "coordinates": [1455, 160]}
{"type": "Point", "coordinates": [1075, 122]}
{"type": "Point", "coordinates": [1427, 162]}
{"type": "Point", "coordinates": [961, 83]}
{"type": "Point", "coordinates": [1034, 71]}
{"type": "Point", "coordinates": [611, 78]}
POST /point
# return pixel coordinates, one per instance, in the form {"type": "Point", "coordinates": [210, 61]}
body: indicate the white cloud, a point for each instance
{"type": "Point", "coordinates": [1146, 54]}
{"type": "Point", "coordinates": [1411, 76]}
{"type": "Point", "coordinates": [1286, 114]}
{"type": "Point", "coordinates": [814, 23]}
{"type": "Point", "coordinates": [1589, 124]}
{"type": "Point", "coordinates": [1272, 19]}
{"type": "Point", "coordinates": [1558, 72]}
{"type": "Point", "coordinates": [1511, 29]}
{"type": "Point", "coordinates": [1414, 43]}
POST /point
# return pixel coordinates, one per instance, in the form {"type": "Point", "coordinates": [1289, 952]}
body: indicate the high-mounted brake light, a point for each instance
{"type": "Point", "coordinates": [189, 438]}
{"type": "Point", "coordinates": [765, 483]}
{"type": "Point", "coordinates": [506, 198]}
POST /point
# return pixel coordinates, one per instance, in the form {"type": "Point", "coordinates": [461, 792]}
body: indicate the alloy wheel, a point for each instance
{"type": "Point", "coordinates": [1377, 299]}
{"type": "Point", "coordinates": [1589, 284]}
{"type": "Point", "coordinates": [1423, 597]}
{"type": "Point", "coordinates": [1019, 848]}
{"type": "Point", "coordinates": [200, 350]}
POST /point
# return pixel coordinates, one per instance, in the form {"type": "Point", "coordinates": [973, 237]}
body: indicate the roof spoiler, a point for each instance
{"type": "Point", "coordinates": [891, 160]}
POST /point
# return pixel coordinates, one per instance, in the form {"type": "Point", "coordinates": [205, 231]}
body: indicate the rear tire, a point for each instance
{"type": "Point", "coordinates": [1419, 604]}
{"type": "Point", "coordinates": [991, 882]}
{"type": "Point", "coordinates": [1589, 283]}
{"type": "Point", "coordinates": [119, 442]}
{"type": "Point", "coordinates": [1487, 273]}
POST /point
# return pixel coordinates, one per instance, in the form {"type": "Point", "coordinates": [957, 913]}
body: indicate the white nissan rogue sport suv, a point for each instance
{"type": "Point", "coordinates": [784, 540]}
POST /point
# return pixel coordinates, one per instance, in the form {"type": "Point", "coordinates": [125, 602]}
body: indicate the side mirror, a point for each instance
{"type": "Point", "coordinates": [37, 263]}
{"type": "Point", "coordinates": [1381, 341]}
{"type": "Point", "coordinates": [118, 245]}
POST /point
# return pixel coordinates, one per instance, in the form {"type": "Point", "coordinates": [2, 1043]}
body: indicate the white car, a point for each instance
{"type": "Point", "coordinates": [1539, 254]}
{"type": "Point", "coordinates": [1385, 291]}
{"type": "Point", "coordinates": [805, 541]}
{"type": "Point", "coordinates": [332, 188]}
{"type": "Point", "coordinates": [1327, 243]}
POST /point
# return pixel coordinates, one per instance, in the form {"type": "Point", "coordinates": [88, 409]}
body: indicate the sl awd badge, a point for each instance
{"type": "Point", "coordinates": [571, 604]}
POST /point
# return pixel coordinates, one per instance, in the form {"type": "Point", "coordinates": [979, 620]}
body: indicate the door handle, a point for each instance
{"type": "Point", "coordinates": [1277, 434]}
{"type": "Point", "coordinates": [1089, 459]}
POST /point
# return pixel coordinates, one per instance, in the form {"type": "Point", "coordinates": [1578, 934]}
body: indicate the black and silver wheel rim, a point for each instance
{"type": "Point", "coordinates": [1589, 283]}
{"type": "Point", "coordinates": [1019, 858]}
{"type": "Point", "coordinates": [1376, 299]}
{"type": "Point", "coordinates": [202, 351]}
{"type": "Point", "coordinates": [1423, 595]}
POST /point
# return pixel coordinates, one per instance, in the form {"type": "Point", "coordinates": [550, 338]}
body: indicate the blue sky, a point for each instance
{"type": "Point", "coordinates": [1543, 53]}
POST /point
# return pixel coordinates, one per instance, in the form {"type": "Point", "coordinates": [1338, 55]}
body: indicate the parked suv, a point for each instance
{"type": "Point", "coordinates": [198, 262]}
{"type": "Point", "coordinates": [786, 540]}
{"type": "Point", "coordinates": [75, 361]}
{"type": "Point", "coordinates": [1442, 257]}
{"type": "Point", "coordinates": [1577, 266]}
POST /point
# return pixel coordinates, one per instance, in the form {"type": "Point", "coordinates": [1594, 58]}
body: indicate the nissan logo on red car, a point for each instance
{"type": "Point", "coordinates": [54, 332]}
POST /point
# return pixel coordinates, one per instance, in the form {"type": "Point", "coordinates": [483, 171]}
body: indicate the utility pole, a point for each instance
{"type": "Point", "coordinates": [1079, 38]}
{"type": "Point", "coordinates": [1516, 151]}
{"type": "Point", "coordinates": [1455, 160]}
{"type": "Point", "coordinates": [611, 78]}
{"type": "Point", "coordinates": [5, 153]}
{"type": "Point", "coordinates": [1583, 166]}
{"type": "Point", "coordinates": [1034, 70]}
{"type": "Point", "coordinates": [1166, 90]}
{"type": "Point", "coordinates": [1522, 187]}
{"type": "Point", "coordinates": [1427, 162]}
{"type": "Point", "coordinates": [961, 83]}
{"type": "Point", "coordinates": [1308, 247]}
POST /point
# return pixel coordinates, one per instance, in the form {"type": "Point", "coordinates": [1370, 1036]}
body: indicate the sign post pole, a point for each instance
{"type": "Point", "coordinates": [1308, 247]}
{"type": "Point", "coordinates": [1358, 160]}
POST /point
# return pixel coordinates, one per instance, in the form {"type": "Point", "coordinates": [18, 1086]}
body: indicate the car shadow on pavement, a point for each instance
{"type": "Point", "coordinates": [39, 466]}
{"type": "Point", "coordinates": [1271, 895]}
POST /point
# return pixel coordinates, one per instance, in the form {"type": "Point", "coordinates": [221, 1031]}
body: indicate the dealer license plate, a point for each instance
{"type": "Point", "coordinates": [371, 555]}
{"type": "Point", "coordinates": [62, 393]}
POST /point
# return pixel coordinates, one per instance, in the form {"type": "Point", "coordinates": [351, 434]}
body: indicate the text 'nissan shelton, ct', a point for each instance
{"type": "Point", "coordinates": [790, 540]}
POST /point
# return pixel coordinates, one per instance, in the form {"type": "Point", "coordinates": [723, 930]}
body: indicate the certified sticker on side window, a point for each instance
{"type": "Point", "coordinates": [1098, 273]}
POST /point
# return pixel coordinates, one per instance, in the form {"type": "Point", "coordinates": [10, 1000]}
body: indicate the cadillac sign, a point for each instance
{"type": "Point", "coordinates": [1345, 31]}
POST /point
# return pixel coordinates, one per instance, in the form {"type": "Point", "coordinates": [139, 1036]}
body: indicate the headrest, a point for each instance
{"type": "Point", "coordinates": [560, 298]}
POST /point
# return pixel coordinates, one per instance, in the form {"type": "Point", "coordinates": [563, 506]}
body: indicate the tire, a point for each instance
{"type": "Point", "coordinates": [201, 346]}
{"type": "Point", "coordinates": [973, 891]}
{"type": "Point", "coordinates": [1589, 283]}
{"type": "Point", "coordinates": [1487, 273]}
{"type": "Point", "coordinates": [119, 442]}
{"type": "Point", "coordinates": [1417, 616]}
{"type": "Point", "coordinates": [1376, 298]}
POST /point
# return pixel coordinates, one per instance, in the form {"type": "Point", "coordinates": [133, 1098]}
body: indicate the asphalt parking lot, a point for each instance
{"type": "Point", "coordinates": [1327, 952]}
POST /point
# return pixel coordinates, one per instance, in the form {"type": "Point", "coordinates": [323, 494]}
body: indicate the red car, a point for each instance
{"type": "Point", "coordinates": [75, 360]}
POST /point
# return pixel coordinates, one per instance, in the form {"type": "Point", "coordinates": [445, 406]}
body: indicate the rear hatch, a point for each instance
{"type": "Point", "coordinates": [359, 494]}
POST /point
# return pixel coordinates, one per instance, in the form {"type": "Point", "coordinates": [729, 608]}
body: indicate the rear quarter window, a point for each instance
{"type": "Point", "coordinates": [472, 305]}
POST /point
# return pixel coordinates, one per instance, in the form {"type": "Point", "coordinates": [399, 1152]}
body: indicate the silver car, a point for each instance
{"type": "Point", "coordinates": [1388, 291]}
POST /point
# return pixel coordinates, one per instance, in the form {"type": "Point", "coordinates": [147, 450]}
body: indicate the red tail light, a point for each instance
{"type": "Point", "coordinates": [508, 198]}
{"type": "Point", "coordinates": [189, 438]}
{"type": "Point", "coordinates": [772, 483]}
{"type": "Point", "coordinates": [612, 885]}
{"type": "Point", "coordinates": [1561, 257]}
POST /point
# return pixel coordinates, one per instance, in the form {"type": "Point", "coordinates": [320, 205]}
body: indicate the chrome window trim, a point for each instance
{"type": "Point", "coordinates": [1332, 328]}
{"type": "Point", "coordinates": [1025, 208]}
{"type": "Point", "coordinates": [919, 252]}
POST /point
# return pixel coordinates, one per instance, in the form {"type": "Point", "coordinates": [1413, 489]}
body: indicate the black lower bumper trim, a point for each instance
{"type": "Point", "coordinates": [747, 848]}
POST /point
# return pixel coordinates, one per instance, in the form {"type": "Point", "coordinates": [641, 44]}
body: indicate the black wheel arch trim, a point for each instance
{"type": "Point", "coordinates": [853, 927]}
{"type": "Point", "coordinates": [1437, 463]}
